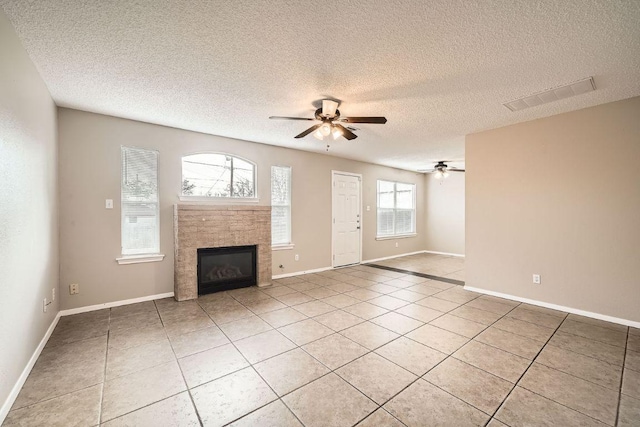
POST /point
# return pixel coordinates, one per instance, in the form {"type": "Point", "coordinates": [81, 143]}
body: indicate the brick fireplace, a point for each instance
{"type": "Point", "coordinates": [199, 226]}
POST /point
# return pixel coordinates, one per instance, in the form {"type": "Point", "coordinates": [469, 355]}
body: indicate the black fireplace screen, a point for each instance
{"type": "Point", "coordinates": [225, 268]}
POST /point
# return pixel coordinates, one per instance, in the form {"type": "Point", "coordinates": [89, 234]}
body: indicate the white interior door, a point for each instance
{"type": "Point", "coordinates": [346, 219]}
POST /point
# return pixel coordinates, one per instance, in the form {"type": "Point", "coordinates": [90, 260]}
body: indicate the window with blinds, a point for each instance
{"type": "Point", "coordinates": [218, 175]}
{"type": "Point", "coordinates": [396, 209]}
{"type": "Point", "coordinates": [280, 205]}
{"type": "Point", "coordinates": [139, 201]}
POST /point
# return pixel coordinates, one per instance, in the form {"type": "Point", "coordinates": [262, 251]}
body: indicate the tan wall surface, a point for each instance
{"type": "Point", "coordinates": [444, 212]}
{"type": "Point", "coordinates": [28, 208]}
{"type": "Point", "coordinates": [559, 196]}
{"type": "Point", "coordinates": [90, 173]}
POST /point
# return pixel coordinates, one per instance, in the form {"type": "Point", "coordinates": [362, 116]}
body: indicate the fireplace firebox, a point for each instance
{"type": "Point", "coordinates": [231, 267]}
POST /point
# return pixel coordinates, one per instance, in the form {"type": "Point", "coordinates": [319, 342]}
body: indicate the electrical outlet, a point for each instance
{"type": "Point", "coordinates": [396, 244]}
{"type": "Point", "coordinates": [536, 279]}
{"type": "Point", "coordinates": [44, 305]}
{"type": "Point", "coordinates": [53, 294]}
{"type": "Point", "coordinates": [74, 288]}
{"type": "Point", "coordinates": [297, 257]}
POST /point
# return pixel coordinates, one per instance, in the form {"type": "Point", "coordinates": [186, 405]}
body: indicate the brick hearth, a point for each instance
{"type": "Point", "coordinates": [211, 226]}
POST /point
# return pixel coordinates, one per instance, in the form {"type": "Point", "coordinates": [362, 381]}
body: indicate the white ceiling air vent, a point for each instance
{"type": "Point", "coordinates": [560, 92]}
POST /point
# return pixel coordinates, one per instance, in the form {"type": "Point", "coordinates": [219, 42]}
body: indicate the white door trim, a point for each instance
{"type": "Point", "coordinates": [333, 214]}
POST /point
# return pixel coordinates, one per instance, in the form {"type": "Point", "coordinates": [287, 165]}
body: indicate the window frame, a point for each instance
{"type": "Point", "coordinates": [217, 199]}
{"type": "Point", "coordinates": [395, 208]}
{"type": "Point", "coordinates": [289, 244]}
{"type": "Point", "coordinates": [133, 256]}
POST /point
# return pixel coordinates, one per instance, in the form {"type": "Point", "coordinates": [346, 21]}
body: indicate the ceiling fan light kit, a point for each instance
{"type": "Point", "coordinates": [329, 107]}
{"type": "Point", "coordinates": [336, 133]}
{"type": "Point", "coordinates": [330, 117]}
{"type": "Point", "coordinates": [441, 170]}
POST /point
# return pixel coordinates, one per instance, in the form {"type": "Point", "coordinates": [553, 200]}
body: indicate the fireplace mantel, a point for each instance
{"type": "Point", "coordinates": [211, 226]}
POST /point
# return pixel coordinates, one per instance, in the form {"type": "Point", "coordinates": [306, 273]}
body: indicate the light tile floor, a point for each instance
{"type": "Point", "coordinates": [354, 346]}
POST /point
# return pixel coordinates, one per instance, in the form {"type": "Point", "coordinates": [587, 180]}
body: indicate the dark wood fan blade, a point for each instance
{"type": "Point", "coordinates": [308, 131]}
{"type": "Point", "coordinates": [455, 170]}
{"type": "Point", "coordinates": [346, 132]}
{"type": "Point", "coordinates": [378, 120]}
{"type": "Point", "coordinates": [289, 118]}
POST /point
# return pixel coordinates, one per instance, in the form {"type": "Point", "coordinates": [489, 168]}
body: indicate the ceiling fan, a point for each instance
{"type": "Point", "coordinates": [441, 169]}
{"type": "Point", "coordinates": [331, 120]}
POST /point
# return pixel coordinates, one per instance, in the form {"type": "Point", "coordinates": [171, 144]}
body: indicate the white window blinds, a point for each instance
{"type": "Point", "coordinates": [139, 197]}
{"type": "Point", "coordinates": [396, 209]}
{"type": "Point", "coordinates": [280, 205]}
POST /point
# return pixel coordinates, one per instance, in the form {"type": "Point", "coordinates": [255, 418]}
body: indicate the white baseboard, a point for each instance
{"type": "Point", "coordinates": [445, 253]}
{"type": "Point", "coordinates": [113, 304]}
{"type": "Point", "coordinates": [392, 256]}
{"type": "Point", "coordinates": [572, 310]}
{"type": "Point", "coordinates": [299, 273]}
{"type": "Point", "coordinates": [6, 406]}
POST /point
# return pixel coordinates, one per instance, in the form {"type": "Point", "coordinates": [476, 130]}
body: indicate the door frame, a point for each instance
{"type": "Point", "coordinates": [333, 213]}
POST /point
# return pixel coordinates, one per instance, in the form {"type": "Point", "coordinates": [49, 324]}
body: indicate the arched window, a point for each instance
{"type": "Point", "coordinates": [218, 175]}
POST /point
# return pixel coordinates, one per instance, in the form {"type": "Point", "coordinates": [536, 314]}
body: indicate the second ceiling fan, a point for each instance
{"type": "Point", "coordinates": [331, 120]}
{"type": "Point", "coordinates": [441, 169]}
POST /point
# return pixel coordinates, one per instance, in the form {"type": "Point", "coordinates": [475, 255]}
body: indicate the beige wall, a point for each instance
{"type": "Point", "coordinates": [28, 209]}
{"type": "Point", "coordinates": [444, 213]}
{"type": "Point", "coordinates": [559, 196]}
{"type": "Point", "coordinates": [90, 234]}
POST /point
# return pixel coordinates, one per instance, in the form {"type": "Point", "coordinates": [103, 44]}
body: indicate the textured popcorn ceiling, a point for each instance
{"type": "Point", "coordinates": [437, 70]}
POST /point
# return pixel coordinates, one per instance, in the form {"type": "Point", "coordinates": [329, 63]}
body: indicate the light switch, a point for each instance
{"type": "Point", "coordinates": [368, 208]}
{"type": "Point", "coordinates": [108, 204]}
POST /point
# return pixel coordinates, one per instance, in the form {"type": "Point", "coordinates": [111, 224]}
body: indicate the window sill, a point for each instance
{"type": "Point", "coordinates": [399, 236]}
{"type": "Point", "coordinates": [219, 200]}
{"type": "Point", "coordinates": [283, 247]}
{"type": "Point", "coordinates": [137, 259]}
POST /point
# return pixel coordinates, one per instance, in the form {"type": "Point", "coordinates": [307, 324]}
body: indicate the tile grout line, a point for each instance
{"type": "Point", "coordinates": [568, 373]}
{"type": "Point", "coordinates": [47, 399]}
{"type": "Point", "coordinates": [144, 406]}
{"type": "Point", "coordinates": [294, 322]}
{"type": "Point", "coordinates": [394, 331]}
{"type": "Point", "coordinates": [325, 286]}
{"type": "Point", "coordinates": [332, 311]}
{"type": "Point", "coordinates": [515, 384]}
{"type": "Point", "coordinates": [334, 371]}
{"type": "Point", "coordinates": [278, 397]}
{"type": "Point", "coordinates": [575, 376]}
{"type": "Point", "coordinates": [451, 356]}
{"type": "Point", "coordinates": [381, 408]}
{"type": "Point", "coordinates": [331, 371]}
{"type": "Point", "coordinates": [545, 397]}
{"type": "Point", "coordinates": [106, 357]}
{"type": "Point", "coordinates": [564, 406]}
{"type": "Point", "coordinates": [399, 335]}
{"type": "Point", "coordinates": [151, 403]}
{"type": "Point", "coordinates": [54, 397]}
{"type": "Point", "coordinates": [594, 340]}
{"type": "Point", "coordinates": [371, 351]}
{"type": "Point", "coordinates": [418, 377]}
{"type": "Point", "coordinates": [624, 360]}
{"type": "Point", "coordinates": [193, 403]}
{"type": "Point", "coordinates": [448, 356]}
